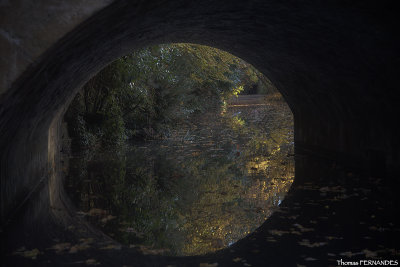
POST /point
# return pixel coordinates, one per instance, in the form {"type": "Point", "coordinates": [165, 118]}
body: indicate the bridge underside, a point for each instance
{"type": "Point", "coordinates": [335, 63]}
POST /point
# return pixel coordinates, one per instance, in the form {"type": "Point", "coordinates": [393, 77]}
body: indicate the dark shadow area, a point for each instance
{"type": "Point", "coordinates": [334, 62]}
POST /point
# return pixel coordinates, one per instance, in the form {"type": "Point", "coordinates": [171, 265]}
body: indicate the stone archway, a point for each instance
{"type": "Point", "coordinates": [334, 63]}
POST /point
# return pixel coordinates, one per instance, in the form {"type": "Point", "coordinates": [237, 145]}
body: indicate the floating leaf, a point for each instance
{"type": "Point", "coordinates": [370, 254]}
{"type": "Point", "coordinates": [61, 247]}
{"type": "Point", "coordinates": [303, 229]}
{"type": "Point", "coordinates": [306, 242]}
{"type": "Point", "coordinates": [310, 259]}
{"type": "Point", "coordinates": [205, 264]}
{"type": "Point", "coordinates": [92, 262]}
{"type": "Point", "coordinates": [31, 254]}
{"type": "Point", "coordinates": [278, 232]}
{"type": "Point", "coordinates": [333, 237]}
{"type": "Point", "coordinates": [112, 246]}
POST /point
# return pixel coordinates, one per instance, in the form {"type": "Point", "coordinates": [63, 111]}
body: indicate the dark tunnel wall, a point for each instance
{"type": "Point", "coordinates": [335, 62]}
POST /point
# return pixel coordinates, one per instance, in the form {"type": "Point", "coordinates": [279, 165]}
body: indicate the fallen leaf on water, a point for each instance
{"type": "Point", "coordinates": [82, 246]}
{"type": "Point", "coordinates": [85, 244]}
{"type": "Point", "coordinates": [369, 254]}
{"type": "Point", "coordinates": [394, 252]}
{"type": "Point", "coordinates": [92, 262]}
{"type": "Point", "coordinates": [112, 246]}
{"type": "Point", "coordinates": [350, 254]}
{"type": "Point", "coordinates": [236, 259]}
{"type": "Point", "coordinates": [151, 251]}
{"type": "Point", "coordinates": [96, 212]}
{"type": "Point", "coordinates": [310, 259]}
{"type": "Point", "coordinates": [108, 218]}
{"type": "Point", "coordinates": [86, 240]}
{"type": "Point", "coordinates": [333, 189]}
{"type": "Point", "coordinates": [303, 229]}
{"type": "Point", "coordinates": [278, 232]}
{"type": "Point", "coordinates": [61, 247]}
{"type": "Point", "coordinates": [306, 242]}
{"type": "Point", "coordinates": [343, 196]}
{"type": "Point", "coordinates": [294, 232]}
{"type": "Point", "coordinates": [205, 264]}
{"type": "Point", "coordinates": [333, 237]}
{"type": "Point", "coordinates": [20, 249]}
{"type": "Point", "coordinates": [73, 249]}
{"type": "Point", "coordinates": [31, 254]}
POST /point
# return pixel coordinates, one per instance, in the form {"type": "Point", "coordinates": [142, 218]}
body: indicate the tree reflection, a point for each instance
{"type": "Point", "coordinates": [215, 179]}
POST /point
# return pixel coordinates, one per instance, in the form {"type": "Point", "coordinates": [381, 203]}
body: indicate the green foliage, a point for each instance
{"type": "Point", "coordinates": [94, 116]}
{"type": "Point", "coordinates": [143, 95]}
{"type": "Point", "coordinates": [192, 197]}
{"type": "Point", "coordinates": [191, 201]}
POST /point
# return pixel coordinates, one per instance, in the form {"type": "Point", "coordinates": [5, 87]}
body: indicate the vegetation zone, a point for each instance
{"type": "Point", "coordinates": [160, 161]}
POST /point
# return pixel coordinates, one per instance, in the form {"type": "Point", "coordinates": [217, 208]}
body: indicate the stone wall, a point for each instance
{"type": "Point", "coordinates": [29, 28]}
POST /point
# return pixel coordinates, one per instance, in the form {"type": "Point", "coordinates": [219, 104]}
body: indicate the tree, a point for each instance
{"type": "Point", "coordinates": [146, 93]}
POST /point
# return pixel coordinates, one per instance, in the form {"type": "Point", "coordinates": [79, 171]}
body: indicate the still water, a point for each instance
{"type": "Point", "coordinates": [212, 180]}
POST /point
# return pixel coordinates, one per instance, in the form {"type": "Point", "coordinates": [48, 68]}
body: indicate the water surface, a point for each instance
{"type": "Point", "coordinates": [211, 181]}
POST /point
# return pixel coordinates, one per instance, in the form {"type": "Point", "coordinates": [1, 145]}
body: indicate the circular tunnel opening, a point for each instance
{"type": "Point", "coordinates": [333, 63]}
{"type": "Point", "coordinates": [177, 149]}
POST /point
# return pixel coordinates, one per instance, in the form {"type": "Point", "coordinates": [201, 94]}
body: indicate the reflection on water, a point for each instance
{"type": "Point", "coordinates": [214, 180]}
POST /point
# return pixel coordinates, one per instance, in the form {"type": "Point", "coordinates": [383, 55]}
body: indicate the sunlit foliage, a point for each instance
{"type": "Point", "coordinates": [164, 163]}
{"type": "Point", "coordinates": [146, 93]}
{"type": "Point", "coordinates": [193, 193]}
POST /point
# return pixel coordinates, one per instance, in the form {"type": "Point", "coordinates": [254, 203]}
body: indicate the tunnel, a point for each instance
{"type": "Point", "coordinates": [335, 62]}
